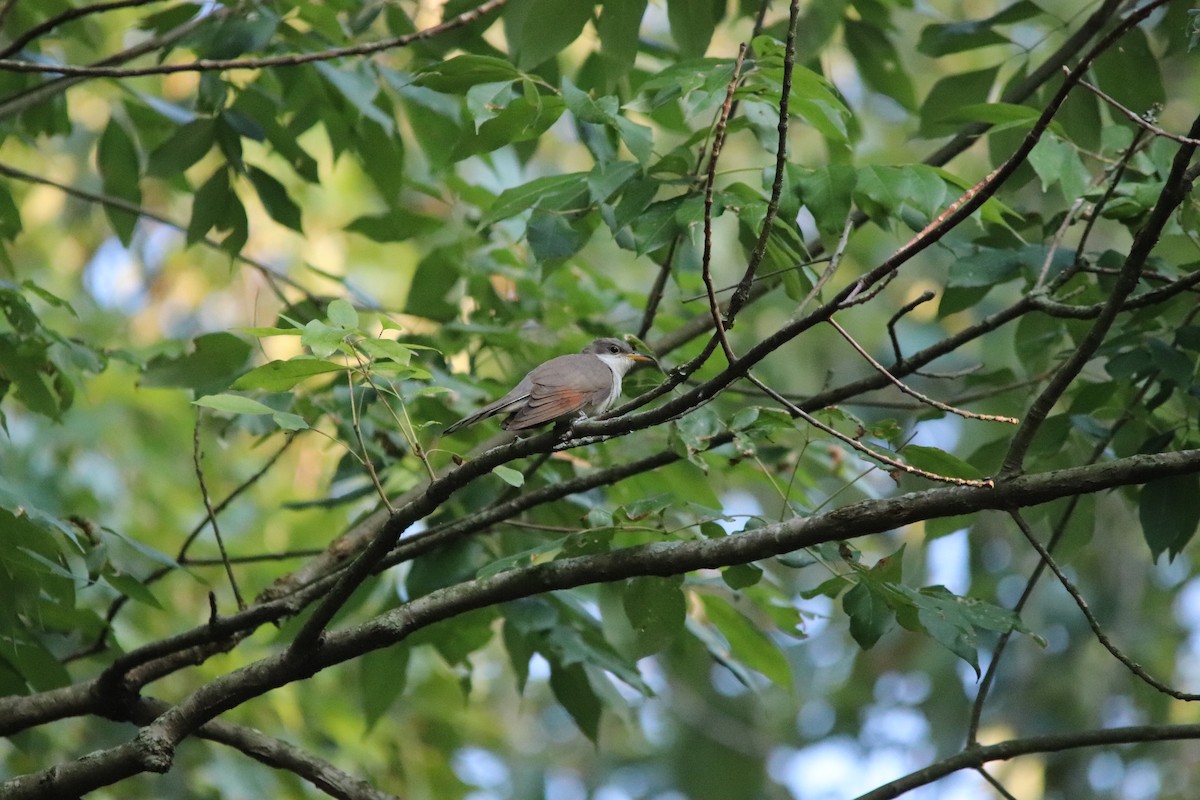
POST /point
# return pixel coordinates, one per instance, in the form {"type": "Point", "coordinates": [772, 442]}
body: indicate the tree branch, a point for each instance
{"type": "Point", "coordinates": [153, 747]}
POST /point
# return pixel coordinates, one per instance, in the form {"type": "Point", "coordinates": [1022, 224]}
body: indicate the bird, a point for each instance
{"type": "Point", "coordinates": [579, 384]}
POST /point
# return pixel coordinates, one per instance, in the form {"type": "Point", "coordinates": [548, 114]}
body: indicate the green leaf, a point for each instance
{"type": "Point", "coordinates": [952, 621]}
{"type": "Point", "coordinates": [574, 692]}
{"type": "Point", "coordinates": [988, 267]}
{"type": "Point", "coordinates": [747, 642]}
{"type": "Point", "coordinates": [233, 404]}
{"type": "Point", "coordinates": [741, 576]}
{"type": "Point", "coordinates": [288, 421]}
{"type": "Point", "coordinates": [394, 225]}
{"type": "Point", "coordinates": [386, 349]}
{"type": "Point", "coordinates": [878, 62]}
{"type": "Point", "coordinates": [509, 475]}
{"type": "Point", "coordinates": [952, 92]}
{"type": "Point", "coordinates": [342, 314]}
{"type": "Point", "coordinates": [553, 191]}
{"type": "Point", "coordinates": [190, 143]}
{"type": "Point", "coordinates": [692, 24]}
{"type": "Point", "coordinates": [132, 588]}
{"type": "Point", "coordinates": [647, 506]}
{"type": "Point", "coordinates": [1058, 162]}
{"type": "Point", "coordinates": [827, 193]}
{"type": "Point", "coordinates": [1001, 116]}
{"type": "Point", "coordinates": [537, 30]}
{"type": "Point", "coordinates": [359, 86]}
{"type": "Point", "coordinates": [275, 199]}
{"type": "Point", "coordinates": [10, 216]}
{"type": "Point", "coordinates": [117, 160]}
{"type": "Point", "coordinates": [382, 676]}
{"type": "Point", "coordinates": [279, 376]}
{"type": "Point", "coordinates": [1131, 74]}
{"type": "Point", "coordinates": [456, 638]}
{"type": "Point", "coordinates": [436, 275]}
{"type": "Point", "coordinates": [216, 205]}
{"type": "Point", "coordinates": [214, 363]}
{"type": "Point", "coordinates": [870, 614]}
{"type": "Point", "coordinates": [931, 459]}
{"type": "Point", "coordinates": [324, 340]}
{"type": "Point", "coordinates": [458, 74]}
{"type": "Point", "coordinates": [1168, 514]}
{"type": "Point", "coordinates": [955, 37]}
{"type": "Point", "coordinates": [656, 610]}
{"type": "Point", "coordinates": [618, 27]}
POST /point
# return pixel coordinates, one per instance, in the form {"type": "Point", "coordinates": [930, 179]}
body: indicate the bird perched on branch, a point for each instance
{"type": "Point", "coordinates": [580, 384]}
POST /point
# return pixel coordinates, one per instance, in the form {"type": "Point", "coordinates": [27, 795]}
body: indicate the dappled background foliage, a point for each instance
{"type": "Point", "coordinates": [257, 256]}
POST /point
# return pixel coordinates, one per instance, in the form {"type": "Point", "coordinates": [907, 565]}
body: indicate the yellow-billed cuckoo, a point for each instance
{"type": "Point", "coordinates": [583, 384]}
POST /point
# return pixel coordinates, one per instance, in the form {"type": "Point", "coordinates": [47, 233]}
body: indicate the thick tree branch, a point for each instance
{"type": "Point", "coordinates": [1054, 743]}
{"type": "Point", "coordinates": [153, 747]}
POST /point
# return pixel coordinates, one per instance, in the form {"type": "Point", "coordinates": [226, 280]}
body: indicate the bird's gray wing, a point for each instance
{"type": "Point", "coordinates": [561, 387]}
{"type": "Point", "coordinates": [500, 406]}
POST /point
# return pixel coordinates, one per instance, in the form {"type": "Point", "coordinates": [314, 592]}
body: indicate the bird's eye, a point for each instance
{"type": "Point", "coordinates": [612, 348]}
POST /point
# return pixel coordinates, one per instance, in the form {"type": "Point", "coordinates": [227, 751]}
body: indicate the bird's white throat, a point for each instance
{"type": "Point", "coordinates": [619, 365]}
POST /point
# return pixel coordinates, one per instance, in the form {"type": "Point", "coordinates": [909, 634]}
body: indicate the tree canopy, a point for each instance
{"type": "Point", "coordinates": [906, 506]}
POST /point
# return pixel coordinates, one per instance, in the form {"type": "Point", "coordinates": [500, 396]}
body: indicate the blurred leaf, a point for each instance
{"type": "Point", "coordinates": [233, 404]}
{"type": "Point", "coordinates": [394, 225]}
{"type": "Point", "coordinates": [539, 29]}
{"type": "Point", "coordinates": [275, 199]}
{"type": "Point", "coordinates": [656, 609]}
{"type": "Point", "coordinates": [132, 588]}
{"type": "Point", "coordinates": [748, 643]}
{"type": "Point", "coordinates": [931, 459]}
{"type": "Point", "coordinates": [692, 24]}
{"type": "Point", "coordinates": [215, 361]}
{"type": "Point", "coordinates": [1168, 521]}
{"type": "Point", "coordinates": [342, 314]}
{"type": "Point", "coordinates": [618, 27]}
{"type": "Point", "coordinates": [870, 614]}
{"type": "Point", "coordinates": [878, 62]}
{"type": "Point", "coordinates": [279, 376]}
{"type": "Point", "coordinates": [955, 37]}
{"type": "Point", "coordinates": [382, 678]}
{"type": "Point", "coordinates": [509, 475]}
{"type": "Point", "coordinates": [118, 163]}
{"type": "Point", "coordinates": [951, 92]}
{"type": "Point", "coordinates": [190, 143]}
{"type": "Point", "coordinates": [574, 691]}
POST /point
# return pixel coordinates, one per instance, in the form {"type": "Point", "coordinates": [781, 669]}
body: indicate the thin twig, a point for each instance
{"type": "Point", "coordinates": [290, 60]}
{"type": "Point", "coordinates": [1136, 118]}
{"type": "Point", "coordinates": [764, 276]}
{"type": "Point", "coordinates": [742, 293]}
{"type": "Point", "coordinates": [20, 101]}
{"type": "Point", "coordinates": [913, 392]}
{"type": "Point", "coordinates": [925, 297]}
{"type": "Point", "coordinates": [212, 514]}
{"type": "Point", "coordinates": [1134, 667]}
{"type": "Point", "coordinates": [181, 558]}
{"type": "Point", "coordinates": [356, 424]}
{"type": "Point", "coordinates": [255, 558]}
{"type": "Point", "coordinates": [714, 307]}
{"type": "Point", "coordinates": [273, 278]}
{"type": "Point", "coordinates": [1172, 196]}
{"type": "Point", "coordinates": [654, 298]}
{"type": "Point", "coordinates": [67, 16]}
{"type": "Point", "coordinates": [989, 676]}
{"type": "Point", "coordinates": [1140, 138]}
{"type": "Point", "coordinates": [796, 411]}
{"type": "Point", "coordinates": [999, 787]}
{"type": "Point", "coordinates": [835, 260]}
{"type": "Point", "coordinates": [6, 9]}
